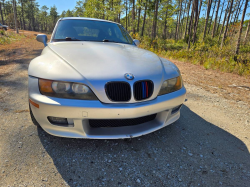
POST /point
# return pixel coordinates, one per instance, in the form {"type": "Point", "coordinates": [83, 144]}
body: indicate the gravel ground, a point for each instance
{"type": "Point", "coordinates": [208, 146]}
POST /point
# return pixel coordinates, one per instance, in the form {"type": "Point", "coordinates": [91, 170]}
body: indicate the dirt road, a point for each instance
{"type": "Point", "coordinates": [208, 146]}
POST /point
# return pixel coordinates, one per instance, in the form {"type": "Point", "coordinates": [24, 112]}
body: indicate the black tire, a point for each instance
{"type": "Point", "coordinates": [5, 29]}
{"type": "Point", "coordinates": [33, 118]}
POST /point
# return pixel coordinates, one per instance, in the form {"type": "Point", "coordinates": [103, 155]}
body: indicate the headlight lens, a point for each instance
{"type": "Point", "coordinates": [61, 87]}
{"type": "Point", "coordinates": [171, 85]}
{"type": "Point", "coordinates": [80, 88]}
{"type": "Point", "coordinates": [66, 90]}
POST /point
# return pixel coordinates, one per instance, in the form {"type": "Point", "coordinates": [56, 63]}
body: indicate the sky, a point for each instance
{"type": "Point", "coordinates": [60, 4]}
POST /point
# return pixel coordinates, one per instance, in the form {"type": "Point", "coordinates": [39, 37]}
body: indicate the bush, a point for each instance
{"type": "Point", "coordinates": [207, 53]}
{"type": "Point", "coordinates": [8, 37]}
{"type": "Point", "coordinates": [2, 32]}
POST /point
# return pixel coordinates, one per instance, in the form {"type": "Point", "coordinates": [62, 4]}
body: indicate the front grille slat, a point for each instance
{"type": "Point", "coordinates": [121, 91]}
{"type": "Point", "coordinates": [97, 123]}
{"type": "Point", "coordinates": [140, 89]}
{"type": "Point", "coordinates": [118, 91]}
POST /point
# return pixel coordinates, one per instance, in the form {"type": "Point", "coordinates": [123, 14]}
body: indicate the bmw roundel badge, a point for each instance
{"type": "Point", "coordinates": [129, 76]}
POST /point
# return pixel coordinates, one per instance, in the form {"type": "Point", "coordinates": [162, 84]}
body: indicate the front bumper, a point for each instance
{"type": "Point", "coordinates": [78, 113]}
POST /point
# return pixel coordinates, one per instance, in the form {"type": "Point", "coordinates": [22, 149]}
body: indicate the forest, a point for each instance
{"type": "Point", "coordinates": [212, 33]}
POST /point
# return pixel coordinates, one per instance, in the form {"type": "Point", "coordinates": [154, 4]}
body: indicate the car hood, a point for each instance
{"type": "Point", "coordinates": [109, 61]}
{"type": "Point", "coordinates": [96, 63]}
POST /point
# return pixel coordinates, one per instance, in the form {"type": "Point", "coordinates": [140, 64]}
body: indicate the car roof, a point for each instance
{"type": "Point", "coordinates": [85, 18]}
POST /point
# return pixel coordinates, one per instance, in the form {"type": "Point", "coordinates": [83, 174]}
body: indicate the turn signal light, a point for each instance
{"type": "Point", "coordinates": [33, 103]}
{"type": "Point", "coordinates": [45, 86]}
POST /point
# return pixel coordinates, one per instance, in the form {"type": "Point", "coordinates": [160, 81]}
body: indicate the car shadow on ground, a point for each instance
{"type": "Point", "coordinates": [189, 152]}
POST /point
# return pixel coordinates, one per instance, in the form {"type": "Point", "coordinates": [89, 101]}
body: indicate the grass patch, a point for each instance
{"type": "Point", "coordinates": [9, 37]}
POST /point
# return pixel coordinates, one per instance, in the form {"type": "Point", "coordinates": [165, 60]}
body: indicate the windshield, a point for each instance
{"type": "Point", "coordinates": [88, 30]}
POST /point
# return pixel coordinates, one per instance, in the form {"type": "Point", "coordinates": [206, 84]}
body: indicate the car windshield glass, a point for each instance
{"type": "Point", "coordinates": [88, 30]}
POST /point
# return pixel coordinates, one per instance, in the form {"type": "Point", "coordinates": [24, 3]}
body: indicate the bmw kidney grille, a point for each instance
{"type": "Point", "coordinates": [121, 91]}
{"type": "Point", "coordinates": [143, 89]}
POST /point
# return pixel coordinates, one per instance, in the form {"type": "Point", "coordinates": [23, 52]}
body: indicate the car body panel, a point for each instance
{"type": "Point", "coordinates": [95, 64]}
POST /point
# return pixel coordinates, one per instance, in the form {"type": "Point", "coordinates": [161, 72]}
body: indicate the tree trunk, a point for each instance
{"type": "Point", "coordinates": [190, 24]}
{"type": "Point", "coordinates": [144, 18]}
{"type": "Point", "coordinates": [183, 16]}
{"type": "Point", "coordinates": [4, 9]}
{"type": "Point", "coordinates": [217, 28]}
{"type": "Point", "coordinates": [212, 16]}
{"type": "Point", "coordinates": [208, 12]}
{"type": "Point", "coordinates": [15, 17]}
{"type": "Point", "coordinates": [176, 27]}
{"type": "Point", "coordinates": [189, 3]}
{"type": "Point", "coordinates": [1, 13]}
{"type": "Point", "coordinates": [165, 26]}
{"type": "Point", "coordinates": [199, 12]}
{"type": "Point", "coordinates": [21, 24]}
{"type": "Point", "coordinates": [215, 19]}
{"type": "Point", "coordinates": [119, 13]}
{"type": "Point", "coordinates": [155, 19]}
{"type": "Point", "coordinates": [238, 9]}
{"type": "Point", "coordinates": [178, 21]}
{"type": "Point", "coordinates": [240, 31]}
{"type": "Point", "coordinates": [126, 14]}
{"type": "Point", "coordinates": [196, 19]}
{"type": "Point", "coordinates": [247, 31]}
{"type": "Point", "coordinates": [112, 10]}
{"type": "Point", "coordinates": [133, 17]}
{"type": "Point", "coordinates": [23, 15]}
{"type": "Point", "coordinates": [226, 28]}
{"type": "Point", "coordinates": [139, 17]}
{"type": "Point", "coordinates": [224, 20]}
{"type": "Point", "coordinates": [237, 16]}
{"type": "Point", "coordinates": [103, 4]}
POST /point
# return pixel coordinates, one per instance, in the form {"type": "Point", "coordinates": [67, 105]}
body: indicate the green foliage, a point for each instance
{"type": "Point", "coordinates": [139, 18]}
{"type": "Point", "coordinates": [53, 14]}
{"type": "Point", "coordinates": [245, 49]}
{"type": "Point", "coordinates": [206, 53]}
{"type": "Point", "coordinates": [69, 13]}
{"type": "Point", "coordinates": [2, 32]}
{"type": "Point", "coordinates": [8, 37]}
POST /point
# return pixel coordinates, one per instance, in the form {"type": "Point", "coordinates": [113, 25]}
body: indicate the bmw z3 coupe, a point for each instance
{"type": "Point", "coordinates": [93, 81]}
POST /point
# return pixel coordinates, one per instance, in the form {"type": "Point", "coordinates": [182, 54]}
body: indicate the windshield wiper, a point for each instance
{"type": "Point", "coordinates": [105, 40]}
{"type": "Point", "coordinates": [71, 39]}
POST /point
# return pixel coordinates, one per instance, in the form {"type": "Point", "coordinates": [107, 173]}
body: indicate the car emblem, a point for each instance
{"type": "Point", "coordinates": [129, 76]}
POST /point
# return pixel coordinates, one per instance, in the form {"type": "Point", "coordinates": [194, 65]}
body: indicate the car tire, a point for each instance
{"type": "Point", "coordinates": [33, 118]}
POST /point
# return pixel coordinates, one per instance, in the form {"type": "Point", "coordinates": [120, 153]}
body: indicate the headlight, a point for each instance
{"type": "Point", "coordinates": [171, 85]}
{"type": "Point", "coordinates": [66, 90]}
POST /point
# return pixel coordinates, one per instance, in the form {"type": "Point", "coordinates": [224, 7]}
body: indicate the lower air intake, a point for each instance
{"type": "Point", "coordinates": [96, 123]}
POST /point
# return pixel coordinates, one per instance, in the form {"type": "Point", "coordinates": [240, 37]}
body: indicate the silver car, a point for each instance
{"type": "Point", "coordinates": [92, 81]}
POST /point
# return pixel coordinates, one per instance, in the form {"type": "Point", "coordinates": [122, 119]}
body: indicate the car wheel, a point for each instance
{"type": "Point", "coordinates": [33, 118]}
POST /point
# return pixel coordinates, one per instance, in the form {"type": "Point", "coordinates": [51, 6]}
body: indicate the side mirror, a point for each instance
{"type": "Point", "coordinates": [137, 42]}
{"type": "Point", "coordinates": [42, 38]}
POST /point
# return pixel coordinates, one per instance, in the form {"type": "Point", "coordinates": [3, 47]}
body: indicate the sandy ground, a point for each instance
{"type": "Point", "coordinates": [208, 146]}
